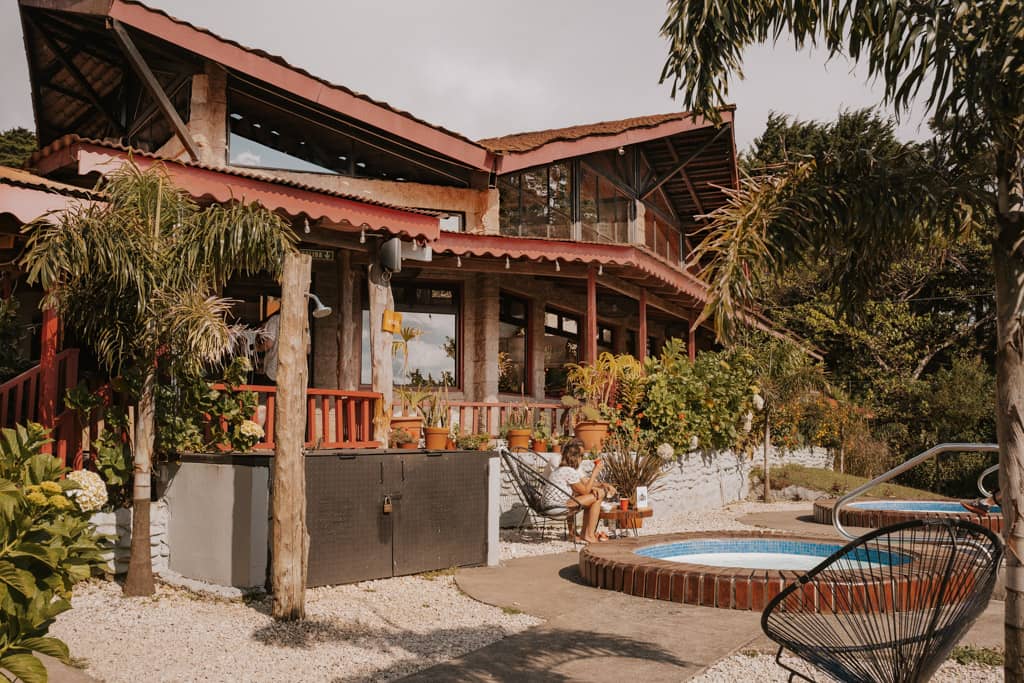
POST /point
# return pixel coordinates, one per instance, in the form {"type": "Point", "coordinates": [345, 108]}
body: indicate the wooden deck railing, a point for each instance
{"type": "Point", "coordinates": [20, 403]}
{"type": "Point", "coordinates": [478, 417]}
{"type": "Point", "coordinates": [334, 419]}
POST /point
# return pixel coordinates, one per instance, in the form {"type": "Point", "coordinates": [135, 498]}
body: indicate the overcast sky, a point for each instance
{"type": "Point", "coordinates": [486, 68]}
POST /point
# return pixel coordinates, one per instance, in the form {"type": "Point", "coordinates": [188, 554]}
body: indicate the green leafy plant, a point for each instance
{"type": "Point", "coordinates": [542, 432]}
{"type": "Point", "coordinates": [400, 437]}
{"type": "Point", "coordinates": [46, 546]}
{"type": "Point", "coordinates": [518, 417]}
{"type": "Point", "coordinates": [12, 332]}
{"type": "Point", "coordinates": [435, 409]}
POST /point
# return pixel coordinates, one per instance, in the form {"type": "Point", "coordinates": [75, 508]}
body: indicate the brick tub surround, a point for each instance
{"type": "Point", "coordinates": [616, 566]}
{"type": "Point", "coordinates": [855, 516]}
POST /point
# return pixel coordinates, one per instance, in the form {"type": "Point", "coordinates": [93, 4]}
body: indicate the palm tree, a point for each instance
{"type": "Point", "coordinates": [784, 374]}
{"type": "Point", "coordinates": [401, 345]}
{"type": "Point", "coordinates": [855, 211]}
{"type": "Point", "coordinates": [137, 279]}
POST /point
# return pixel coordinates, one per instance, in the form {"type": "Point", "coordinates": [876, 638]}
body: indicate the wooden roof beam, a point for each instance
{"type": "Point", "coordinates": [680, 166]}
{"type": "Point", "coordinates": [156, 91]}
{"type": "Point", "coordinates": [66, 62]}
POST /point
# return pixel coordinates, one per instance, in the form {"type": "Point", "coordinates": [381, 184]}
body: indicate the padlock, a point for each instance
{"type": "Point", "coordinates": [388, 507]}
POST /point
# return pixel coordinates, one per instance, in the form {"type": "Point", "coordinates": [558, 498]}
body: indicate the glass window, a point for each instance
{"type": "Point", "coordinates": [426, 353]}
{"type": "Point", "coordinates": [561, 346]}
{"type": "Point", "coordinates": [605, 339]}
{"type": "Point", "coordinates": [537, 202]}
{"type": "Point", "coordinates": [246, 152]}
{"type": "Point", "coordinates": [604, 209]}
{"type": "Point", "coordinates": [513, 344]}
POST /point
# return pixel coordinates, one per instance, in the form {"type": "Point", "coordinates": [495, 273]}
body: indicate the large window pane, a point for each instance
{"type": "Point", "coordinates": [537, 202]}
{"type": "Point", "coordinates": [513, 375]}
{"type": "Point", "coordinates": [426, 353]}
{"type": "Point", "coordinates": [509, 217]}
{"type": "Point", "coordinates": [604, 209]}
{"type": "Point", "coordinates": [561, 346]}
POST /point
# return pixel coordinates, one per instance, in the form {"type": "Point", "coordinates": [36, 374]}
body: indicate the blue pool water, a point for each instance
{"type": "Point", "coordinates": [916, 506]}
{"type": "Point", "coordinates": [760, 553]}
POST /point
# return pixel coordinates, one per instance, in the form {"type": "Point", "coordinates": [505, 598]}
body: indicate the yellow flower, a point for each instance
{"type": "Point", "coordinates": [36, 497]}
{"type": "Point", "coordinates": [50, 487]}
{"type": "Point", "coordinates": [60, 502]}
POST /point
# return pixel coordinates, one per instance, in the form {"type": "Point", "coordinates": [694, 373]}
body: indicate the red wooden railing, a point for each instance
{"type": "Point", "coordinates": [334, 419]}
{"type": "Point", "coordinates": [478, 417]}
{"type": "Point", "coordinates": [20, 402]}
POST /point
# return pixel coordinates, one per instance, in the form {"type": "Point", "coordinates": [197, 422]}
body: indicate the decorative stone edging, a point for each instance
{"type": "Point", "coordinates": [616, 566]}
{"type": "Point", "coordinates": [862, 517]}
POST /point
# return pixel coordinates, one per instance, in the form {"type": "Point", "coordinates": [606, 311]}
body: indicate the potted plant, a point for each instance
{"type": "Point", "coordinates": [591, 390]}
{"type": "Point", "coordinates": [411, 419]}
{"type": "Point", "coordinates": [436, 413]}
{"type": "Point", "coordinates": [541, 437]}
{"type": "Point", "coordinates": [631, 461]}
{"type": "Point", "coordinates": [402, 439]}
{"type": "Point", "coordinates": [472, 442]}
{"type": "Point", "coordinates": [517, 427]}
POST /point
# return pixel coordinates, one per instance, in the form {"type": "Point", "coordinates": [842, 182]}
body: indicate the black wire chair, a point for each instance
{"type": "Point", "coordinates": [533, 489]}
{"type": "Point", "coordinates": [890, 605]}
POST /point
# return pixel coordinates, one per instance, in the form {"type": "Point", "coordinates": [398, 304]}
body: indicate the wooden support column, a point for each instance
{"type": "Point", "coordinates": [382, 370]}
{"type": "Point", "coordinates": [590, 320]}
{"type": "Point", "coordinates": [348, 361]}
{"type": "Point", "coordinates": [48, 379]}
{"type": "Point", "coordinates": [641, 342]}
{"type": "Point", "coordinates": [691, 340]}
{"type": "Point", "coordinates": [290, 541]}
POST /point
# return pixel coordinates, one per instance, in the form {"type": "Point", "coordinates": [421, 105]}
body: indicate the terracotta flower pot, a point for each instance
{"type": "Point", "coordinates": [592, 434]}
{"type": "Point", "coordinates": [449, 444]}
{"type": "Point", "coordinates": [411, 446]}
{"type": "Point", "coordinates": [540, 446]}
{"type": "Point", "coordinates": [518, 438]}
{"type": "Point", "coordinates": [411, 424]}
{"type": "Point", "coordinates": [436, 438]}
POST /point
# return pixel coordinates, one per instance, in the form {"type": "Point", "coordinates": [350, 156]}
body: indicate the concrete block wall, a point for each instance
{"type": "Point", "coordinates": [118, 525]}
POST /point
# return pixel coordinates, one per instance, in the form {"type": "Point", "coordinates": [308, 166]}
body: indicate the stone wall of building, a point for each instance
{"type": "Point", "coordinates": [118, 525]}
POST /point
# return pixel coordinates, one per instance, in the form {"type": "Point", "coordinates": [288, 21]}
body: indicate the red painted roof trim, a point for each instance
{"type": "Point", "coordinates": [499, 246]}
{"type": "Point", "coordinates": [565, 149]}
{"type": "Point", "coordinates": [27, 204]}
{"type": "Point", "coordinates": [226, 186]}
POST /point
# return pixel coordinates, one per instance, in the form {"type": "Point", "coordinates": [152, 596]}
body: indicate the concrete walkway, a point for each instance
{"type": "Point", "coordinates": [597, 635]}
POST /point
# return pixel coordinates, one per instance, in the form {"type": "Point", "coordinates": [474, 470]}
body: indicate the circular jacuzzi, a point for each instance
{"type": "Point", "coordinates": [877, 513]}
{"type": "Point", "coordinates": [728, 569]}
{"type": "Point", "coordinates": [764, 553]}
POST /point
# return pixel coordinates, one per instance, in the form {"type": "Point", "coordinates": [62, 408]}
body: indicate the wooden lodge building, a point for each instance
{"type": "Point", "coordinates": [547, 247]}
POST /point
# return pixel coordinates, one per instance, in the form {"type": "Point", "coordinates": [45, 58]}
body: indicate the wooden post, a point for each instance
{"type": "Point", "coordinates": [348, 366]}
{"type": "Point", "coordinates": [290, 542]}
{"type": "Point", "coordinates": [641, 343]}
{"type": "Point", "coordinates": [379, 284]}
{"type": "Point", "coordinates": [590, 322]}
{"type": "Point", "coordinates": [691, 340]}
{"type": "Point", "coordinates": [48, 379]}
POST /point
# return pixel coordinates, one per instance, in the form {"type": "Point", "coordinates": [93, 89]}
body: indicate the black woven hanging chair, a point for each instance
{"type": "Point", "coordinates": [889, 606]}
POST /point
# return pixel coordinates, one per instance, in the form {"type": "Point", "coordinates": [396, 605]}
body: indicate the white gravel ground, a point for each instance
{"type": "Point", "coordinates": [376, 630]}
{"type": "Point", "coordinates": [762, 668]}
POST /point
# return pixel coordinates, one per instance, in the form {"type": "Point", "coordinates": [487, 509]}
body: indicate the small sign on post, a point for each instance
{"type": "Point", "coordinates": [391, 322]}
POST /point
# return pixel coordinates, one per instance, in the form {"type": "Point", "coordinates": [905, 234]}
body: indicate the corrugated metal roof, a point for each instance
{"type": "Point", "coordinates": [21, 178]}
{"type": "Point", "coordinates": [69, 140]}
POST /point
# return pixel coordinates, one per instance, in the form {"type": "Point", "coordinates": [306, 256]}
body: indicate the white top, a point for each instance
{"type": "Point", "coordinates": [563, 478]}
{"type": "Point", "coordinates": [269, 335]}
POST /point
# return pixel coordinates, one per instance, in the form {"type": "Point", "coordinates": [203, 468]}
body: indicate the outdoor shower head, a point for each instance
{"type": "Point", "coordinates": [319, 310]}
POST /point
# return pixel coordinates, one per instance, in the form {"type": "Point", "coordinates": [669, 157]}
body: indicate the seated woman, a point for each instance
{"type": "Point", "coordinates": [586, 491]}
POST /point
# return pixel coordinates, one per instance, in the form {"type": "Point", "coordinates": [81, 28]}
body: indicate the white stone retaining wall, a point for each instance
{"type": "Point", "coordinates": [695, 481]}
{"type": "Point", "coordinates": [118, 524]}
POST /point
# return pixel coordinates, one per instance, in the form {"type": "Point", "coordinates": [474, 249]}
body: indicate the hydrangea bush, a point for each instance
{"type": "Point", "coordinates": [46, 546]}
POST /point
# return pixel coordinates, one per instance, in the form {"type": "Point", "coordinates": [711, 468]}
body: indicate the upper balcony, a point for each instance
{"type": "Point", "coordinates": [643, 182]}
